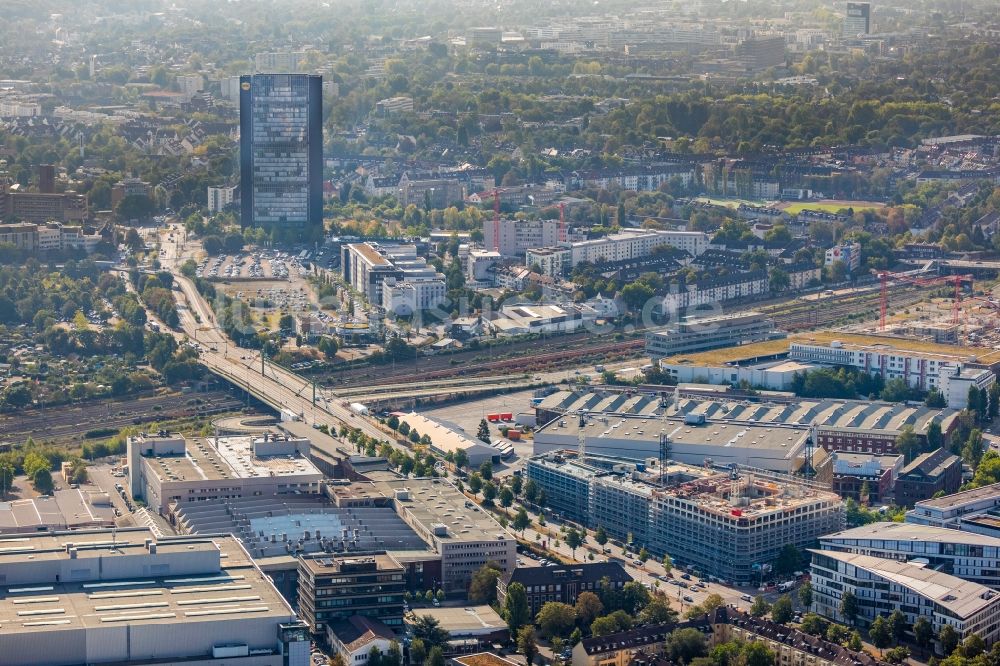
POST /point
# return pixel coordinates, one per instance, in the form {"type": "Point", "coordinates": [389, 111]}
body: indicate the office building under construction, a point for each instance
{"type": "Point", "coordinates": [729, 522]}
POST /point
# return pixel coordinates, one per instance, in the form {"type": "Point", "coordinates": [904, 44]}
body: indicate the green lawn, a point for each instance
{"type": "Point", "coordinates": [831, 206]}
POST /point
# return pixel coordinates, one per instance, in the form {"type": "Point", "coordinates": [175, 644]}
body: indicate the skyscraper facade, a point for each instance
{"type": "Point", "coordinates": [858, 19]}
{"type": "Point", "coordinates": [281, 152]}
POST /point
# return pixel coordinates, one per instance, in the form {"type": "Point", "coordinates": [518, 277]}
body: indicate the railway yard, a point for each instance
{"type": "Point", "coordinates": [69, 423]}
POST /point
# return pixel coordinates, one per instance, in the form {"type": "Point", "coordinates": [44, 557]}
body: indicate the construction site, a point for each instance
{"type": "Point", "coordinates": [730, 522]}
{"type": "Point", "coordinates": [957, 310]}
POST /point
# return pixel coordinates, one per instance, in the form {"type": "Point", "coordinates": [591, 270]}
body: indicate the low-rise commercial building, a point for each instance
{"type": "Point", "coordinates": [334, 588]}
{"type": "Point", "coordinates": [406, 296]}
{"type": "Point", "coordinates": [882, 586]}
{"type": "Point", "coordinates": [929, 474]}
{"type": "Point", "coordinates": [693, 334]}
{"type": "Point", "coordinates": [123, 597]}
{"type": "Point", "coordinates": [961, 554]}
{"type": "Point", "coordinates": [165, 470]}
{"type": "Point", "coordinates": [562, 583]}
{"type": "Point", "coordinates": [953, 510]}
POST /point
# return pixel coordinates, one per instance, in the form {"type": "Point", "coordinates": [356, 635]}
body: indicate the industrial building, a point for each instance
{"type": "Point", "coordinates": [730, 524]}
{"type": "Point", "coordinates": [693, 441]}
{"type": "Point", "coordinates": [445, 440]}
{"type": "Point", "coordinates": [882, 586]}
{"type": "Point", "coordinates": [334, 588]}
{"type": "Point", "coordinates": [121, 596]}
{"type": "Point", "coordinates": [851, 426]}
{"type": "Point", "coordinates": [961, 554]}
{"type": "Point", "coordinates": [69, 509]}
{"type": "Point", "coordinates": [167, 469]}
{"type": "Point", "coordinates": [694, 335]}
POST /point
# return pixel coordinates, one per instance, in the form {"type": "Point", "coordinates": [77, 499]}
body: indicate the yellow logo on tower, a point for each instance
{"type": "Point", "coordinates": [245, 85]}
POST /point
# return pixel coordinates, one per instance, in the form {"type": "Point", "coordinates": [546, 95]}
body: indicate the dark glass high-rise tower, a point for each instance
{"type": "Point", "coordinates": [281, 152]}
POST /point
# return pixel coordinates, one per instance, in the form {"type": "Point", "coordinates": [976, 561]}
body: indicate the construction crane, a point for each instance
{"type": "Point", "coordinates": [956, 280]}
{"type": "Point", "coordinates": [562, 223]}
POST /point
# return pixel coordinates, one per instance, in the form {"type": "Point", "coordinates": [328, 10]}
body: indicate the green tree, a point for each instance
{"type": "Point", "coordinates": [849, 606]}
{"type": "Point", "coordinates": [526, 643]}
{"type": "Point", "coordinates": [879, 633]}
{"type": "Point", "coordinates": [813, 624]}
{"type": "Point", "coordinates": [418, 651]}
{"type": "Point", "coordinates": [897, 625]}
{"type": "Point", "coordinates": [756, 653]}
{"type": "Point", "coordinates": [530, 490]}
{"type": "Point", "coordinates": [781, 611]}
{"type": "Point", "coordinates": [521, 520]}
{"type": "Point", "coordinates": [759, 607]}
{"type": "Point", "coordinates": [42, 481]}
{"type": "Point", "coordinates": [588, 608]}
{"type": "Point", "coordinates": [489, 493]}
{"type": "Point", "coordinates": [429, 629]}
{"type": "Point", "coordinates": [601, 536]}
{"type": "Point", "coordinates": [667, 563]}
{"type": "Point", "coordinates": [435, 657]}
{"type": "Point", "coordinates": [948, 638]}
{"type": "Point", "coordinates": [789, 559]}
{"type": "Point", "coordinates": [574, 540]}
{"type": "Point", "coordinates": [515, 608]}
{"type": "Point", "coordinates": [806, 594]}
{"type": "Point", "coordinates": [643, 555]}
{"type": "Point", "coordinates": [855, 642]}
{"type": "Point", "coordinates": [657, 611]}
{"type": "Point", "coordinates": [897, 655]}
{"type": "Point", "coordinates": [486, 470]}
{"type": "Point", "coordinates": [484, 431]}
{"type": "Point", "coordinates": [908, 443]}
{"type": "Point", "coordinates": [506, 497]}
{"type": "Point", "coordinates": [483, 585]}
{"type": "Point", "coordinates": [972, 646]}
{"type": "Point", "coordinates": [686, 644]}
{"type": "Point", "coordinates": [923, 632]}
{"type": "Point", "coordinates": [475, 483]}
{"type": "Point", "coordinates": [556, 618]}
{"type": "Point", "coordinates": [6, 478]}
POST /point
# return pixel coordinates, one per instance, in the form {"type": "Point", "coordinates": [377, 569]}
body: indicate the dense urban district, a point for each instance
{"type": "Point", "coordinates": [457, 333]}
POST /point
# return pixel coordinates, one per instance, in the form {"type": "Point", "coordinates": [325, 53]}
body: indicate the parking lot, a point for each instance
{"type": "Point", "coordinates": [261, 265]}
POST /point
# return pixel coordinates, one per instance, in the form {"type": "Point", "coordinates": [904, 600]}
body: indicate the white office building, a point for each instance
{"type": "Point", "coordinates": [925, 370]}
{"type": "Point", "coordinates": [962, 554]}
{"type": "Point", "coordinates": [882, 586]}
{"type": "Point", "coordinates": [407, 296]}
